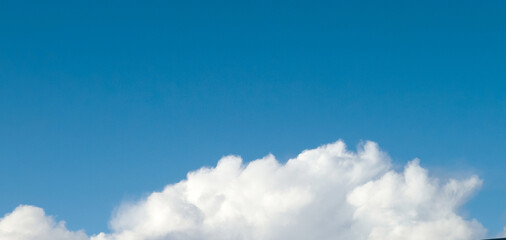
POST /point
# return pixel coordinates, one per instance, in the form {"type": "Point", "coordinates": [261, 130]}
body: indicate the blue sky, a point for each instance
{"type": "Point", "coordinates": [105, 102]}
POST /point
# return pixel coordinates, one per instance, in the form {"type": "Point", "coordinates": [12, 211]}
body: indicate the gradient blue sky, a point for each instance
{"type": "Point", "coordinates": [104, 102]}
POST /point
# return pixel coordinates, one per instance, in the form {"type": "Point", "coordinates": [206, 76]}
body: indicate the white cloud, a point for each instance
{"type": "Point", "coordinates": [503, 234]}
{"type": "Point", "coordinates": [324, 193]}
{"type": "Point", "coordinates": [28, 222]}
{"type": "Point", "coordinates": [410, 205]}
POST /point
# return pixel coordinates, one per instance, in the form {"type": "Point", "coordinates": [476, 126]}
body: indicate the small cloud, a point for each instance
{"type": "Point", "coordinates": [29, 222]}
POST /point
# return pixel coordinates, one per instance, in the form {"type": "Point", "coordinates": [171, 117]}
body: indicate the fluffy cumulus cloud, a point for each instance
{"type": "Point", "coordinates": [324, 193]}
{"type": "Point", "coordinates": [28, 222]}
